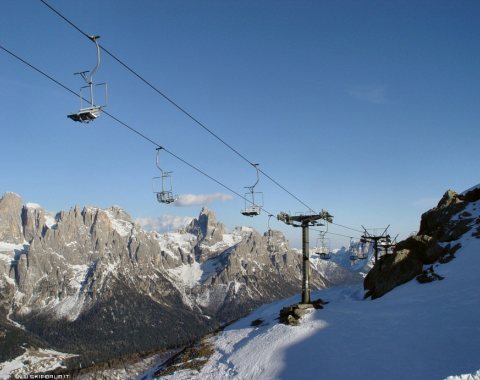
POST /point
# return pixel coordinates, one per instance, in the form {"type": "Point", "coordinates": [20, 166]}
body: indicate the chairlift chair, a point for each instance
{"type": "Point", "coordinates": [354, 250]}
{"type": "Point", "coordinates": [251, 210]}
{"type": "Point", "coordinates": [324, 251]}
{"type": "Point", "coordinates": [252, 207]}
{"type": "Point", "coordinates": [162, 185]}
{"type": "Point", "coordinates": [92, 111]}
{"type": "Point", "coordinates": [325, 256]}
{"type": "Point", "coordinates": [271, 247]}
{"type": "Point", "coordinates": [361, 254]}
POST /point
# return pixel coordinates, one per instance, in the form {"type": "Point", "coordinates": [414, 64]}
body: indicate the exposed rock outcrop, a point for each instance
{"type": "Point", "coordinates": [11, 219]}
{"type": "Point", "coordinates": [439, 228]}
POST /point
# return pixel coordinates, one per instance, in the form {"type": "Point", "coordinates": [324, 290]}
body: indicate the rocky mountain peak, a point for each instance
{"type": "Point", "coordinates": [33, 221]}
{"type": "Point", "coordinates": [206, 227]}
{"type": "Point", "coordinates": [450, 197]}
{"type": "Point", "coordinates": [118, 213]}
{"type": "Point", "coordinates": [10, 218]}
{"type": "Point", "coordinates": [10, 197]}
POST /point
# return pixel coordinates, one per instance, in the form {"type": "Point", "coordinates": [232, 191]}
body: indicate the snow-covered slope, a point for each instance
{"type": "Point", "coordinates": [416, 331]}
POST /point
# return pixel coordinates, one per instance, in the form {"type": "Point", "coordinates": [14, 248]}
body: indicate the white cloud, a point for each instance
{"type": "Point", "coordinates": [164, 223]}
{"type": "Point", "coordinates": [201, 199]}
{"type": "Point", "coordinates": [375, 94]}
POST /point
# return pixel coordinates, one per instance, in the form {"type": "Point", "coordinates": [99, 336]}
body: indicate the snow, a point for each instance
{"type": "Point", "coordinates": [471, 189]}
{"type": "Point", "coordinates": [123, 227]}
{"type": "Point", "coordinates": [50, 221]}
{"type": "Point", "coordinates": [7, 250]}
{"type": "Point", "coordinates": [214, 265]}
{"type": "Point", "coordinates": [237, 286]}
{"type": "Point", "coordinates": [417, 331]}
{"type": "Point", "coordinates": [9, 247]}
{"type": "Point", "coordinates": [189, 274]}
{"type": "Point", "coordinates": [16, 324]}
{"type": "Point", "coordinates": [33, 205]}
{"type": "Point", "coordinates": [231, 239]}
{"type": "Point", "coordinates": [197, 273]}
{"type": "Point", "coordinates": [173, 241]}
{"type": "Point", "coordinates": [33, 361]}
{"type": "Point", "coordinates": [71, 306]}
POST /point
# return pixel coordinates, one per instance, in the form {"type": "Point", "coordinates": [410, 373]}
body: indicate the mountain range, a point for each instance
{"type": "Point", "coordinates": [92, 284]}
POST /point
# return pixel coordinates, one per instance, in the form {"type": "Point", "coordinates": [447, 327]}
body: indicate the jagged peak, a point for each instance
{"type": "Point", "coordinates": [448, 198]}
{"type": "Point", "coordinates": [210, 214]}
{"type": "Point", "coordinates": [119, 213]}
{"type": "Point", "coordinates": [10, 195]}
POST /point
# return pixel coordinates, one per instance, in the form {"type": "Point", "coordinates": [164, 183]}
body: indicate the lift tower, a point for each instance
{"type": "Point", "coordinates": [383, 238]}
{"type": "Point", "coordinates": [305, 221]}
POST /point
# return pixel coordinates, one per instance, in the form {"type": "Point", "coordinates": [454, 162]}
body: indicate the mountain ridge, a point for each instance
{"type": "Point", "coordinates": [90, 273]}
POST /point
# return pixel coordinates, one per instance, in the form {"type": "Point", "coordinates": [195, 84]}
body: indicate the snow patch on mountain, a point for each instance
{"type": "Point", "coordinates": [31, 362]}
{"type": "Point", "coordinates": [10, 247]}
{"type": "Point", "coordinates": [68, 308]}
{"type": "Point", "coordinates": [471, 189]}
{"type": "Point", "coordinates": [123, 227]}
{"type": "Point", "coordinates": [173, 242]}
{"type": "Point", "coordinates": [33, 205]}
{"type": "Point", "coordinates": [188, 274]}
{"type": "Point", "coordinates": [228, 240]}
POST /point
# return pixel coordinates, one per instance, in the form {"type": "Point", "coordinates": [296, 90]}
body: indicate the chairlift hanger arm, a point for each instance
{"type": "Point", "coordinates": [252, 188]}
{"type": "Point", "coordinates": [94, 70]}
{"type": "Point", "coordinates": [157, 160]}
{"type": "Point", "coordinates": [268, 222]}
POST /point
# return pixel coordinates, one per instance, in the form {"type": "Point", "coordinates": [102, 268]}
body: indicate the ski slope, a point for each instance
{"type": "Point", "coordinates": [417, 331]}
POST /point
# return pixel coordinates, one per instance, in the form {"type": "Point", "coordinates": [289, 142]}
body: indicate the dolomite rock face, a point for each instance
{"type": "Point", "coordinates": [11, 219]}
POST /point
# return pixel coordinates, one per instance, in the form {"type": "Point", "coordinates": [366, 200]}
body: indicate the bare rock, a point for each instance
{"type": "Point", "coordinates": [10, 219]}
{"type": "Point", "coordinates": [445, 223]}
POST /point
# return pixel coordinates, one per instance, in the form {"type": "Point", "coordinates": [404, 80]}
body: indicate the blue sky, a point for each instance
{"type": "Point", "coordinates": [366, 109]}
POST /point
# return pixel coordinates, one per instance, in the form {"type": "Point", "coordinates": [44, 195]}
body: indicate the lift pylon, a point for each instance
{"type": "Point", "coordinates": [92, 111]}
{"type": "Point", "coordinates": [305, 221]}
{"type": "Point", "coordinates": [357, 249]}
{"type": "Point", "coordinates": [376, 239]}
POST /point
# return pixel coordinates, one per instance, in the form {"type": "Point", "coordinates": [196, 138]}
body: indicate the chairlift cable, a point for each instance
{"type": "Point", "coordinates": [184, 111]}
{"type": "Point", "coordinates": [348, 228]}
{"type": "Point", "coordinates": [37, 70]}
{"type": "Point", "coordinates": [333, 233]}
{"type": "Point", "coordinates": [176, 105]}
{"type": "Point", "coordinates": [131, 128]}
{"type": "Point", "coordinates": [146, 137]}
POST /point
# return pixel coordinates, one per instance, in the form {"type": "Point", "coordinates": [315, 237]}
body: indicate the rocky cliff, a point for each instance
{"type": "Point", "coordinates": [436, 242]}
